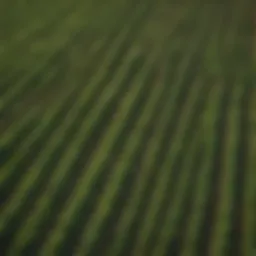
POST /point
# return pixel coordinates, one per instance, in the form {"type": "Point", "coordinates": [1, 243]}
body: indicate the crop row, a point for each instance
{"type": "Point", "coordinates": [49, 121]}
{"type": "Point", "coordinates": [143, 154]}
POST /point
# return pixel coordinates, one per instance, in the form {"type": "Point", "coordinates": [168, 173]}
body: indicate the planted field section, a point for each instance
{"type": "Point", "coordinates": [128, 128]}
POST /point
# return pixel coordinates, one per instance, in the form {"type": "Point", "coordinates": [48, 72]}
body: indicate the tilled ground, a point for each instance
{"type": "Point", "coordinates": [130, 137]}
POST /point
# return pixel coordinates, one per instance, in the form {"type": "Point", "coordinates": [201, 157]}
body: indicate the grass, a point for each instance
{"type": "Point", "coordinates": [127, 128]}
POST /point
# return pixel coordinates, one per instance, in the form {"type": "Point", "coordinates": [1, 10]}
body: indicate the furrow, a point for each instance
{"type": "Point", "coordinates": [68, 161]}
{"type": "Point", "coordinates": [162, 179]}
{"type": "Point", "coordinates": [222, 222]}
{"type": "Point", "coordinates": [94, 196]}
{"type": "Point", "coordinates": [38, 30]}
{"type": "Point", "coordinates": [69, 156]}
{"type": "Point", "coordinates": [249, 200]}
{"type": "Point", "coordinates": [160, 187]}
{"type": "Point", "coordinates": [19, 89]}
{"type": "Point", "coordinates": [47, 119]}
{"type": "Point", "coordinates": [173, 210]}
{"type": "Point", "coordinates": [238, 234]}
{"type": "Point", "coordinates": [76, 110]}
{"type": "Point", "coordinates": [91, 88]}
{"type": "Point", "coordinates": [140, 183]}
{"type": "Point", "coordinates": [94, 167]}
{"type": "Point", "coordinates": [216, 176]}
{"type": "Point", "coordinates": [210, 118]}
{"type": "Point", "coordinates": [29, 140]}
{"type": "Point", "coordinates": [104, 207]}
{"type": "Point", "coordinates": [9, 137]}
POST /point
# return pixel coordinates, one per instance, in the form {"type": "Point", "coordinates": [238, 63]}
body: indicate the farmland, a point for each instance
{"type": "Point", "coordinates": [128, 128]}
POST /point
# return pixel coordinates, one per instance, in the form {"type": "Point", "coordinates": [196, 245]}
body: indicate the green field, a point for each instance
{"type": "Point", "coordinates": [128, 128]}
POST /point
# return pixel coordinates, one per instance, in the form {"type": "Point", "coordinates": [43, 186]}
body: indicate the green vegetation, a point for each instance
{"type": "Point", "coordinates": [127, 128]}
